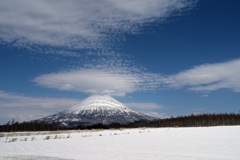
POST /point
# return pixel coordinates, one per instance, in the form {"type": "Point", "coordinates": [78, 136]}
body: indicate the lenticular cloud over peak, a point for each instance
{"type": "Point", "coordinates": [114, 82]}
{"type": "Point", "coordinates": [79, 24]}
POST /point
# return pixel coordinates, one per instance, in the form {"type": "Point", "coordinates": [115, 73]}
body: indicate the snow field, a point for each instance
{"type": "Point", "coordinates": [207, 143]}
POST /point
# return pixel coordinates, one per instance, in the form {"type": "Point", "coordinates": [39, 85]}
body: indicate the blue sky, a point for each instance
{"type": "Point", "coordinates": [161, 57]}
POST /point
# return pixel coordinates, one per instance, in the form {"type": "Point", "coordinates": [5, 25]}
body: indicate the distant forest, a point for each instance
{"type": "Point", "coordinates": [202, 120]}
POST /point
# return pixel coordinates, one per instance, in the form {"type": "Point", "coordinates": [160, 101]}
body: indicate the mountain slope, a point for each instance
{"type": "Point", "coordinates": [97, 109]}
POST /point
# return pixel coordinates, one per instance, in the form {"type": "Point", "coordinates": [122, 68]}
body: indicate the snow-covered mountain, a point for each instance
{"type": "Point", "coordinates": [97, 109]}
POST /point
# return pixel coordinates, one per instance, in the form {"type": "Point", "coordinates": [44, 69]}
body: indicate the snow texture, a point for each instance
{"type": "Point", "coordinates": [203, 143]}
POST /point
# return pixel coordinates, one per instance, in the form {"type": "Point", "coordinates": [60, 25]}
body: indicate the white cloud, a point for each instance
{"type": "Point", "coordinates": [105, 79]}
{"type": "Point", "coordinates": [24, 108]}
{"type": "Point", "coordinates": [144, 106]}
{"type": "Point", "coordinates": [16, 100]}
{"type": "Point", "coordinates": [208, 77]}
{"type": "Point", "coordinates": [149, 108]}
{"type": "Point", "coordinates": [78, 23]}
{"type": "Point", "coordinates": [156, 114]}
{"type": "Point", "coordinates": [114, 82]}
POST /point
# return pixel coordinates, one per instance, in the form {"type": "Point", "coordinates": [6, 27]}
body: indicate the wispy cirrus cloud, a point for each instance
{"type": "Point", "coordinates": [79, 24]}
{"type": "Point", "coordinates": [208, 77]}
{"type": "Point", "coordinates": [23, 108]}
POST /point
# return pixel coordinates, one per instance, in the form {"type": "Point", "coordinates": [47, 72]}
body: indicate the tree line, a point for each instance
{"type": "Point", "coordinates": [201, 120]}
{"type": "Point", "coordinates": [29, 126]}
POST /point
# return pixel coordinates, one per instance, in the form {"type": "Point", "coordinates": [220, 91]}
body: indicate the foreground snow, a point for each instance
{"type": "Point", "coordinates": [208, 143]}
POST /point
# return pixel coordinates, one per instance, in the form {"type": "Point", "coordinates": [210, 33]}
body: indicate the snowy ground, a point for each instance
{"type": "Point", "coordinates": [206, 143]}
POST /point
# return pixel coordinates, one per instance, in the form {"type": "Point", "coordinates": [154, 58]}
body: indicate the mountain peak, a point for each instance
{"type": "Point", "coordinates": [97, 102]}
{"type": "Point", "coordinates": [97, 109]}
